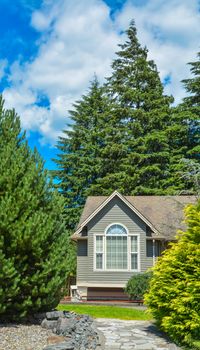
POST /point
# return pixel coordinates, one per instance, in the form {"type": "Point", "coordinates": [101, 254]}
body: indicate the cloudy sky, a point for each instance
{"type": "Point", "coordinates": [50, 50]}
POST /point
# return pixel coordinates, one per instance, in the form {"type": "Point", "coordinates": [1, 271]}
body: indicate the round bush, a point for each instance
{"type": "Point", "coordinates": [138, 285]}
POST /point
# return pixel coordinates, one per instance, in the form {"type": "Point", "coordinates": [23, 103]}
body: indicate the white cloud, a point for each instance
{"type": "Point", "coordinates": [171, 32]}
{"type": "Point", "coordinates": [78, 39]}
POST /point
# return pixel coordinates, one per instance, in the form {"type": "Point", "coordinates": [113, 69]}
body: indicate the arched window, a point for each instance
{"type": "Point", "coordinates": [116, 229]}
{"type": "Point", "coordinates": [117, 249]}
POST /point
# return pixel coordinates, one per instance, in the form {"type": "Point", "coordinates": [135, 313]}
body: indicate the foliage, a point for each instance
{"type": "Point", "coordinates": [138, 285]}
{"type": "Point", "coordinates": [191, 174]}
{"type": "Point", "coordinates": [108, 311]}
{"type": "Point", "coordinates": [189, 112]}
{"type": "Point", "coordinates": [173, 297]}
{"type": "Point", "coordinates": [79, 163]}
{"type": "Point", "coordinates": [125, 135]}
{"type": "Point", "coordinates": [144, 113]}
{"type": "Point", "coordinates": [192, 86]}
{"type": "Point", "coordinates": [33, 240]}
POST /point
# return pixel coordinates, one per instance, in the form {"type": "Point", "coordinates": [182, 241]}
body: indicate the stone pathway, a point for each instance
{"type": "Point", "coordinates": [128, 335]}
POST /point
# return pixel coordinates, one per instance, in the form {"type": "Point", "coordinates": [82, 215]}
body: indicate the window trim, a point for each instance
{"type": "Point", "coordinates": [95, 253]}
{"type": "Point", "coordinates": [116, 223]}
{"type": "Point", "coordinates": [128, 235]}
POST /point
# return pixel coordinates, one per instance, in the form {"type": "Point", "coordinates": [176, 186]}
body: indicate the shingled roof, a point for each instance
{"type": "Point", "coordinates": [165, 213]}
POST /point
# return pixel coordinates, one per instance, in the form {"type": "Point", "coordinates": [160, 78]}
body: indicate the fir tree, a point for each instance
{"type": "Point", "coordinates": [124, 136]}
{"type": "Point", "coordinates": [79, 162]}
{"type": "Point", "coordinates": [145, 113]}
{"type": "Point", "coordinates": [185, 139]}
{"type": "Point", "coordinates": [154, 135]}
{"type": "Point", "coordinates": [191, 108]}
{"type": "Point", "coordinates": [33, 240]}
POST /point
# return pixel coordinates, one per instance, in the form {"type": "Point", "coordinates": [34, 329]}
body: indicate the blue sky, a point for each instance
{"type": "Point", "coordinates": [49, 51]}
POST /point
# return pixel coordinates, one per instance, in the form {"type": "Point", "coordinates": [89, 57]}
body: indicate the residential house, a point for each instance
{"type": "Point", "coordinates": [118, 236]}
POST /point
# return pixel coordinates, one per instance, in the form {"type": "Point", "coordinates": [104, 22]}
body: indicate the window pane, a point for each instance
{"type": "Point", "coordinates": [99, 244]}
{"type": "Point", "coordinates": [116, 229]}
{"type": "Point", "coordinates": [134, 264]}
{"type": "Point", "coordinates": [116, 252]}
{"type": "Point", "coordinates": [99, 261]}
{"type": "Point", "coordinates": [134, 244]}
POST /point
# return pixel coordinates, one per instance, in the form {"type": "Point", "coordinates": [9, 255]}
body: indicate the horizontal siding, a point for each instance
{"type": "Point", "coordinates": [114, 211]}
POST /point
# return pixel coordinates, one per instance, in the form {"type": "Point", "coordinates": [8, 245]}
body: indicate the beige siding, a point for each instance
{"type": "Point", "coordinates": [114, 212]}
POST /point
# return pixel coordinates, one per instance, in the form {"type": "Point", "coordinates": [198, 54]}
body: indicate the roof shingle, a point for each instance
{"type": "Point", "coordinates": [164, 212]}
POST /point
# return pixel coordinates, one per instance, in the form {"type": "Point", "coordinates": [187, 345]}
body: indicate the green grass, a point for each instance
{"type": "Point", "coordinates": [102, 311]}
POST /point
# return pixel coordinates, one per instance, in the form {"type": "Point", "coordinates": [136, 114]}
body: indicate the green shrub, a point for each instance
{"type": "Point", "coordinates": [34, 244]}
{"type": "Point", "coordinates": [137, 285]}
{"type": "Point", "coordinates": [174, 295]}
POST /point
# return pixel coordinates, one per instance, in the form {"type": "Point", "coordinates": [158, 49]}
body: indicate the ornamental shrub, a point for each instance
{"type": "Point", "coordinates": [174, 294]}
{"type": "Point", "coordinates": [137, 285]}
{"type": "Point", "coordinates": [34, 259]}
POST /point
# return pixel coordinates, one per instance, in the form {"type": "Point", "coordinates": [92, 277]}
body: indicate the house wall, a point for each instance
{"type": "Point", "coordinates": [114, 212]}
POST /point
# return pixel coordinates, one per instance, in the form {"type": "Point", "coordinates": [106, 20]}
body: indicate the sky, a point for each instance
{"type": "Point", "coordinates": [51, 49]}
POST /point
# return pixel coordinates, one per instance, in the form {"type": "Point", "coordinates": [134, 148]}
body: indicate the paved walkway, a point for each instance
{"type": "Point", "coordinates": [128, 335]}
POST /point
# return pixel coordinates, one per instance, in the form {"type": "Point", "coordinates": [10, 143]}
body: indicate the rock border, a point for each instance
{"type": "Point", "coordinates": [73, 331]}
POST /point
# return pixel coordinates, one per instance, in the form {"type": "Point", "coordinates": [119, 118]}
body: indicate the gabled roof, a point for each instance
{"type": "Point", "coordinates": [163, 214]}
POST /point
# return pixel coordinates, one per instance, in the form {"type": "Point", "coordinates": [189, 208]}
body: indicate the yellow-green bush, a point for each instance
{"type": "Point", "coordinates": [174, 294]}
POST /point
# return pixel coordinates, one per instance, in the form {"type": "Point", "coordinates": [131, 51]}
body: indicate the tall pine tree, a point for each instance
{"type": "Point", "coordinates": [145, 114]}
{"type": "Point", "coordinates": [155, 137]}
{"type": "Point", "coordinates": [191, 107]}
{"type": "Point", "coordinates": [185, 141]}
{"type": "Point", "coordinates": [33, 240]}
{"type": "Point", "coordinates": [79, 163]}
{"type": "Point", "coordinates": [125, 136]}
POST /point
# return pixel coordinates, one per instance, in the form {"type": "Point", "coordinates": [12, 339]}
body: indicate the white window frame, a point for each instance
{"type": "Point", "coordinates": [95, 253]}
{"type": "Point", "coordinates": [128, 235]}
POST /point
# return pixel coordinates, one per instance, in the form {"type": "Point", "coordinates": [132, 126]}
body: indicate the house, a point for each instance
{"type": "Point", "coordinates": [119, 236]}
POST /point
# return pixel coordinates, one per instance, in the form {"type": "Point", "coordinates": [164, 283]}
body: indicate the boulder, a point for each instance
{"type": "Point", "coordinates": [65, 326]}
{"type": "Point", "coordinates": [54, 315]}
{"type": "Point", "coordinates": [49, 324]}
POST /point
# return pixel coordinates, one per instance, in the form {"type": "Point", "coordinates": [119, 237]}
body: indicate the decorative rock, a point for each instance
{"type": "Point", "coordinates": [54, 315]}
{"type": "Point", "coordinates": [64, 326]}
{"type": "Point", "coordinates": [61, 346]}
{"type": "Point", "coordinates": [55, 339]}
{"type": "Point", "coordinates": [76, 331]}
{"type": "Point", "coordinates": [48, 324]}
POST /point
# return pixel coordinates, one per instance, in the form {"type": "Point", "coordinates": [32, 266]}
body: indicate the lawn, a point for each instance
{"type": "Point", "coordinates": [102, 311]}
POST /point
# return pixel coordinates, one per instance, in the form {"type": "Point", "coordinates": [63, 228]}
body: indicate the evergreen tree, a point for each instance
{"type": "Point", "coordinates": [124, 136]}
{"type": "Point", "coordinates": [191, 108]}
{"type": "Point", "coordinates": [79, 162]}
{"type": "Point", "coordinates": [33, 240]}
{"type": "Point", "coordinates": [151, 129]}
{"type": "Point", "coordinates": [185, 141]}
{"type": "Point", "coordinates": [173, 297]}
